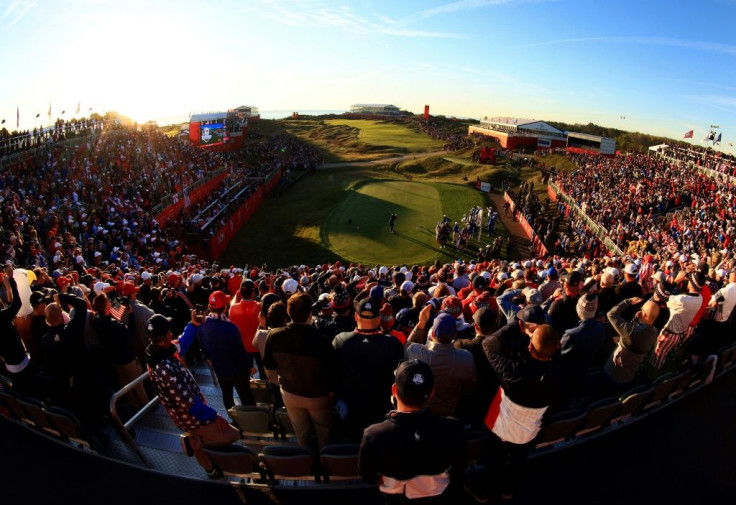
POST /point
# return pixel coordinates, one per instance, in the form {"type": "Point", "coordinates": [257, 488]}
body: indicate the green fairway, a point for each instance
{"type": "Point", "coordinates": [397, 135]}
{"type": "Point", "coordinates": [309, 224]}
{"type": "Point", "coordinates": [358, 226]}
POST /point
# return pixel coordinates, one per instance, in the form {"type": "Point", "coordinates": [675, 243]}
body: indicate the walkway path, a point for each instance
{"type": "Point", "coordinates": [518, 238]}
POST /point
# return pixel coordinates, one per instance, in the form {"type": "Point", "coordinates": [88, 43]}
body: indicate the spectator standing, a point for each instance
{"type": "Point", "coordinates": [305, 363]}
{"type": "Point", "coordinates": [244, 314]}
{"type": "Point", "coordinates": [453, 369]}
{"type": "Point", "coordinates": [367, 358]}
{"type": "Point", "coordinates": [221, 342]}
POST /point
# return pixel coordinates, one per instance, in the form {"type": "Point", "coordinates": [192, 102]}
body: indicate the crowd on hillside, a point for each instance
{"type": "Point", "coordinates": [629, 196]}
{"type": "Point", "coordinates": [279, 152]}
{"type": "Point", "coordinates": [454, 141]}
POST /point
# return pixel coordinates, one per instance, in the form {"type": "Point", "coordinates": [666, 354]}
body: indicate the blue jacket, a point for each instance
{"type": "Point", "coordinates": [221, 343]}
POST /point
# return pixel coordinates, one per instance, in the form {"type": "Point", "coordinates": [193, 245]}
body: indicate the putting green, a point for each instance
{"type": "Point", "coordinates": [358, 227]}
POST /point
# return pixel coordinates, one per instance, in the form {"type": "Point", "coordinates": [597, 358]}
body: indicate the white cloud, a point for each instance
{"type": "Point", "coordinates": [646, 41]}
{"type": "Point", "coordinates": [16, 10]}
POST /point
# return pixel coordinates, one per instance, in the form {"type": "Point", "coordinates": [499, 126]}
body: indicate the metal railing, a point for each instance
{"type": "Point", "coordinates": [124, 428]}
{"type": "Point", "coordinates": [169, 199]}
{"type": "Point", "coordinates": [597, 229]}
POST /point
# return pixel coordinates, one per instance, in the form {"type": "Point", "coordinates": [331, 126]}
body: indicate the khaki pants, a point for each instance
{"type": "Point", "coordinates": [306, 414]}
{"type": "Point", "coordinates": [128, 373]}
{"type": "Point", "coordinates": [218, 433]}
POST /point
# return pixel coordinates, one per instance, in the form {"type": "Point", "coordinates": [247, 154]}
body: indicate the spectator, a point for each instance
{"type": "Point", "coordinates": [414, 454]}
{"type": "Point", "coordinates": [305, 363]}
{"type": "Point", "coordinates": [182, 399]}
{"type": "Point", "coordinates": [367, 358]}
{"type": "Point", "coordinates": [453, 368]}
{"type": "Point", "coordinates": [581, 345]}
{"type": "Point", "coordinates": [221, 342]}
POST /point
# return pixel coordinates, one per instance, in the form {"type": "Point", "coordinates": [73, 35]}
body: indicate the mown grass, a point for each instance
{"type": "Point", "coordinates": [342, 213]}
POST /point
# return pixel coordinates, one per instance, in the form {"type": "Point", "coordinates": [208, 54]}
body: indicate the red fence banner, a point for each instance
{"type": "Point", "coordinates": [539, 248]}
{"type": "Point", "coordinates": [551, 193]}
{"type": "Point", "coordinates": [225, 234]}
{"type": "Point", "coordinates": [193, 197]}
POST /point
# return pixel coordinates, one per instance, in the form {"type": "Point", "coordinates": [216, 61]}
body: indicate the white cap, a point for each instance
{"type": "Point", "coordinates": [631, 269]}
{"type": "Point", "coordinates": [195, 278]}
{"type": "Point", "coordinates": [145, 275]}
{"type": "Point", "coordinates": [382, 271]}
{"type": "Point", "coordinates": [289, 286]}
{"type": "Point", "coordinates": [100, 286]}
{"type": "Point", "coordinates": [407, 286]}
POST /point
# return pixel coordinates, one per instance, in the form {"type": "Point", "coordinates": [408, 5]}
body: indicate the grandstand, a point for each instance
{"type": "Point", "coordinates": [513, 133]}
{"type": "Point", "coordinates": [375, 109]}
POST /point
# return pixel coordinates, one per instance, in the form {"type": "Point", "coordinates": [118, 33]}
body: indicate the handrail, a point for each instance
{"type": "Point", "coordinates": [124, 427]}
{"type": "Point", "coordinates": [168, 200]}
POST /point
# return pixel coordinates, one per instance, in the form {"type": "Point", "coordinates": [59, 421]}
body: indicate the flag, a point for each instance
{"type": "Point", "coordinates": [717, 140]}
{"type": "Point", "coordinates": [3, 122]}
{"type": "Point", "coordinates": [689, 134]}
{"type": "Point", "coordinates": [62, 112]}
{"type": "Point", "coordinates": [79, 104]}
{"type": "Point", "coordinates": [17, 117]}
{"type": "Point", "coordinates": [49, 112]}
{"type": "Point", "coordinates": [38, 115]}
{"type": "Point", "coordinates": [117, 310]}
{"type": "Point", "coordinates": [730, 144]}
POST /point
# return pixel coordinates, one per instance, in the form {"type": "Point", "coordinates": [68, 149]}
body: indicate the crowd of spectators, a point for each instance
{"type": "Point", "coordinates": [454, 140]}
{"type": "Point", "coordinates": [19, 141]}
{"type": "Point", "coordinates": [713, 160]}
{"type": "Point", "coordinates": [281, 152]}
{"type": "Point", "coordinates": [629, 196]}
{"type": "Point", "coordinates": [482, 327]}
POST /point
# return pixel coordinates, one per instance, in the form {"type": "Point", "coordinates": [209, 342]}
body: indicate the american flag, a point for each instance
{"type": "Point", "coordinates": [117, 310]}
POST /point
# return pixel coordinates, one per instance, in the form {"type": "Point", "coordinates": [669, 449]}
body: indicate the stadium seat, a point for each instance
{"type": "Point", "coordinates": [9, 399]}
{"type": "Point", "coordinates": [681, 385]}
{"type": "Point", "coordinates": [36, 411]}
{"type": "Point", "coordinates": [236, 460]}
{"type": "Point", "coordinates": [262, 393]}
{"type": "Point", "coordinates": [251, 420]}
{"type": "Point", "coordinates": [69, 427]}
{"type": "Point", "coordinates": [632, 402]}
{"type": "Point", "coordinates": [559, 428]}
{"type": "Point", "coordinates": [726, 360]}
{"type": "Point", "coordinates": [339, 461]}
{"type": "Point", "coordinates": [288, 462]}
{"type": "Point", "coordinates": [286, 430]}
{"type": "Point", "coordinates": [599, 414]}
{"type": "Point", "coordinates": [663, 387]}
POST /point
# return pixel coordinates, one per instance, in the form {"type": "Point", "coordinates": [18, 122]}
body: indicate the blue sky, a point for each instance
{"type": "Point", "coordinates": [665, 66]}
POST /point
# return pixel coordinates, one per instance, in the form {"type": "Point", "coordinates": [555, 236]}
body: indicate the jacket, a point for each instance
{"type": "Point", "coordinates": [413, 453]}
{"type": "Point", "coordinates": [636, 339]}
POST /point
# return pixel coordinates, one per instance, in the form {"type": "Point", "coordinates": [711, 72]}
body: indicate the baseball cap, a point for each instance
{"type": "Point", "coordinates": [533, 296]}
{"type": "Point", "coordinates": [532, 314]}
{"type": "Point", "coordinates": [368, 309]}
{"type": "Point", "coordinates": [414, 381]}
{"type": "Point", "coordinates": [158, 325]}
{"type": "Point", "coordinates": [453, 306]}
{"type": "Point", "coordinates": [444, 327]}
{"type": "Point", "coordinates": [63, 281]}
{"type": "Point", "coordinates": [129, 288]}
{"type": "Point", "coordinates": [376, 293]}
{"type": "Point", "coordinates": [100, 286]}
{"type": "Point", "coordinates": [36, 298]}
{"type": "Point", "coordinates": [172, 278]}
{"type": "Point", "coordinates": [631, 269]}
{"type": "Point", "coordinates": [145, 275]}
{"type": "Point", "coordinates": [290, 286]}
{"type": "Point", "coordinates": [407, 286]}
{"type": "Point", "coordinates": [218, 300]}
{"type": "Point", "coordinates": [659, 276]}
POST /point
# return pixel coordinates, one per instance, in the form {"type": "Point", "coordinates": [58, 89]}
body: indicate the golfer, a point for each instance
{"type": "Point", "coordinates": [391, 221]}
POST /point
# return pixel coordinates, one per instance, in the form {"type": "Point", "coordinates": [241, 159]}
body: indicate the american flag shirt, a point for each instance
{"type": "Point", "coordinates": [177, 391]}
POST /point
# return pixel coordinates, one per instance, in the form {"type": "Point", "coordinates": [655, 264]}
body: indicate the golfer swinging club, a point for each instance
{"type": "Point", "coordinates": [391, 221]}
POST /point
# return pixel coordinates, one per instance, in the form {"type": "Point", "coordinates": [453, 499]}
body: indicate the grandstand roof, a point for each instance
{"type": "Point", "coordinates": [208, 116]}
{"type": "Point", "coordinates": [516, 121]}
{"type": "Point", "coordinates": [373, 105]}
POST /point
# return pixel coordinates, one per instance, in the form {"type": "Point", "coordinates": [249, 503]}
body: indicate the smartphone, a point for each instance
{"type": "Point", "coordinates": [199, 312]}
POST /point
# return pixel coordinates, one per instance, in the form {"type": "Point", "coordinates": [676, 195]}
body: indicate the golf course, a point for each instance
{"type": "Point", "coordinates": [341, 211]}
